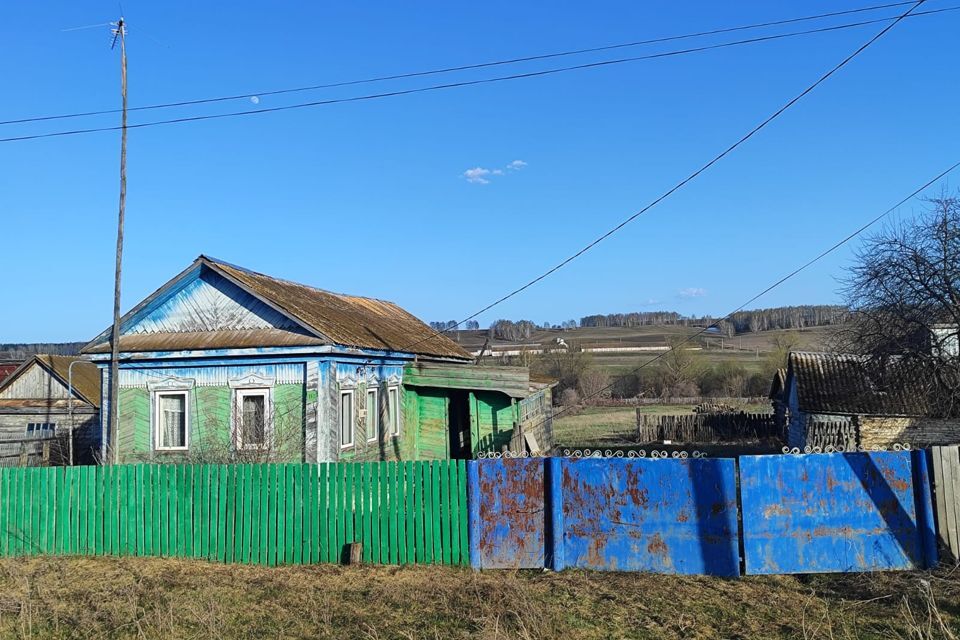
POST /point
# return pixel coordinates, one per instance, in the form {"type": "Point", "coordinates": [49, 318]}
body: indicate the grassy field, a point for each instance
{"type": "Point", "coordinates": [611, 426]}
{"type": "Point", "coordinates": [161, 598]}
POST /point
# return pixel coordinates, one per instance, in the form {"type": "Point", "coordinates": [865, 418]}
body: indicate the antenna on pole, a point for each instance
{"type": "Point", "coordinates": [112, 441]}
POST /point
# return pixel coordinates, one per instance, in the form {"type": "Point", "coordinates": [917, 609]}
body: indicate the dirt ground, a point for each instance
{"type": "Point", "coordinates": [163, 598]}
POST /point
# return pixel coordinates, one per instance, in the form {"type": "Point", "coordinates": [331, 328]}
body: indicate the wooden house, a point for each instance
{"type": "Point", "coordinates": [842, 399]}
{"type": "Point", "coordinates": [222, 363]}
{"type": "Point", "coordinates": [48, 406]}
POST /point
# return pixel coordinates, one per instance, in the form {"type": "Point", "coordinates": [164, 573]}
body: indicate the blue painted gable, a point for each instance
{"type": "Point", "coordinates": [206, 301]}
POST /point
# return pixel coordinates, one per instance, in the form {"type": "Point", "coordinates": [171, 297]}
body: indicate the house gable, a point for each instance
{"type": "Point", "coordinates": [33, 382]}
{"type": "Point", "coordinates": [208, 302]}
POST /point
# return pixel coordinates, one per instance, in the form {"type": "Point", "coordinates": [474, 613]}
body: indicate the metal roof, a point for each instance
{"type": "Point", "coordinates": [845, 384]}
{"type": "Point", "coordinates": [350, 321]}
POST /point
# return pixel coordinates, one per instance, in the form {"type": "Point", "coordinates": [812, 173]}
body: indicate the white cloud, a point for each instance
{"type": "Point", "coordinates": [481, 175]}
{"type": "Point", "coordinates": [650, 302]}
{"type": "Point", "coordinates": [692, 292]}
{"type": "Point", "coordinates": [477, 175]}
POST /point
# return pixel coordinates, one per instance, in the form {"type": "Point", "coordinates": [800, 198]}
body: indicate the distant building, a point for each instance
{"type": "Point", "coordinates": [842, 399]}
{"type": "Point", "coordinates": [222, 363]}
{"type": "Point", "coordinates": [39, 406]}
{"type": "Point", "coordinates": [7, 367]}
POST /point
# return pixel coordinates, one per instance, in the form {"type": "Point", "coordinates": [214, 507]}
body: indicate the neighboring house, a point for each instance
{"type": "Point", "coordinates": [222, 363]}
{"type": "Point", "coordinates": [842, 399]}
{"type": "Point", "coordinates": [7, 367]}
{"type": "Point", "coordinates": [39, 403]}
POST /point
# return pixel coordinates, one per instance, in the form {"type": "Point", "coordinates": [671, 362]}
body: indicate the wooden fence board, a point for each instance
{"type": "Point", "coordinates": [402, 512]}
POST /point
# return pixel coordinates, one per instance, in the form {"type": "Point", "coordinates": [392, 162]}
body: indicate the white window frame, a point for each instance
{"type": "Point", "coordinates": [393, 413]}
{"type": "Point", "coordinates": [238, 395]}
{"type": "Point", "coordinates": [157, 431]}
{"type": "Point", "coordinates": [39, 427]}
{"type": "Point", "coordinates": [353, 419]}
{"type": "Point", "coordinates": [376, 414]}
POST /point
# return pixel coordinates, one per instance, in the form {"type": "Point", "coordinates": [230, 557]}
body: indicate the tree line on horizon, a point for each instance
{"type": "Point", "coordinates": [791, 317]}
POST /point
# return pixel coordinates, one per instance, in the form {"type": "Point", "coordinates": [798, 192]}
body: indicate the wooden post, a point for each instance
{"type": "Point", "coordinates": [115, 332]}
{"type": "Point", "coordinates": [356, 553]}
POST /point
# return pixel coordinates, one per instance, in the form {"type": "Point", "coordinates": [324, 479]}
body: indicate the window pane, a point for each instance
{"type": "Point", "coordinates": [393, 412]}
{"type": "Point", "coordinates": [373, 415]}
{"type": "Point", "coordinates": [253, 421]}
{"type": "Point", "coordinates": [346, 419]}
{"type": "Point", "coordinates": [173, 420]}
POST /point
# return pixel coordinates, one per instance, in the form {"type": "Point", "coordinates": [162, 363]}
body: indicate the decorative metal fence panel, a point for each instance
{"type": "Point", "coordinates": [838, 512]}
{"type": "Point", "coordinates": [269, 514]}
{"type": "Point", "coordinates": [662, 516]}
{"type": "Point", "coordinates": [508, 513]}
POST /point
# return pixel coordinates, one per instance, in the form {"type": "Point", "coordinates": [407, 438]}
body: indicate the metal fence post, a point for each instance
{"type": "Point", "coordinates": [473, 507]}
{"type": "Point", "coordinates": [554, 503]}
{"type": "Point", "coordinates": [924, 506]}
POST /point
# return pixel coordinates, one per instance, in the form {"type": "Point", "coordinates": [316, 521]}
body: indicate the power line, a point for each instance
{"type": "Point", "coordinates": [680, 184]}
{"type": "Point", "coordinates": [468, 67]}
{"type": "Point", "coordinates": [467, 83]}
{"type": "Point", "coordinates": [790, 275]}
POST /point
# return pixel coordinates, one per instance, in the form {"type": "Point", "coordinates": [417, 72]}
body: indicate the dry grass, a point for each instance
{"type": "Point", "coordinates": [611, 426]}
{"type": "Point", "coordinates": [156, 598]}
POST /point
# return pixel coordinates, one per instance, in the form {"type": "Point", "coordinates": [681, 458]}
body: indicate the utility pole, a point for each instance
{"type": "Point", "coordinates": [113, 442]}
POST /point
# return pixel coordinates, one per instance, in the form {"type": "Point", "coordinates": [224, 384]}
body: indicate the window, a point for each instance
{"type": "Point", "coordinates": [346, 419]}
{"type": "Point", "coordinates": [253, 418]}
{"type": "Point", "coordinates": [172, 423]}
{"type": "Point", "coordinates": [41, 429]}
{"type": "Point", "coordinates": [393, 410]}
{"type": "Point", "coordinates": [373, 415]}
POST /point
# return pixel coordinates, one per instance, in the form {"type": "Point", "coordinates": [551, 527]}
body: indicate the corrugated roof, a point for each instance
{"type": "Point", "coordinates": [86, 375]}
{"type": "Point", "coordinates": [778, 384]}
{"type": "Point", "coordinates": [186, 340]}
{"type": "Point", "coordinates": [350, 321]}
{"type": "Point", "coordinates": [347, 320]}
{"type": "Point", "coordinates": [844, 384]}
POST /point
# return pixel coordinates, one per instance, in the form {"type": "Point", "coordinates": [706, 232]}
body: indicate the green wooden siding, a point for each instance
{"type": "Point", "coordinates": [433, 424]}
{"type": "Point", "coordinates": [211, 416]}
{"type": "Point", "coordinates": [495, 416]}
{"type": "Point", "coordinates": [269, 514]}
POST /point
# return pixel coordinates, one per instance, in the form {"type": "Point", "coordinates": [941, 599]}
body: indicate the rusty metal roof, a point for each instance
{"type": "Point", "coordinates": [844, 384]}
{"type": "Point", "coordinates": [86, 375]}
{"type": "Point", "coordinates": [186, 340]}
{"type": "Point", "coordinates": [350, 321]}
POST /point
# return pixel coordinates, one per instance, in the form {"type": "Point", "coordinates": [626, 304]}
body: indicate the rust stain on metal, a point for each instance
{"type": "Point", "coordinates": [657, 546]}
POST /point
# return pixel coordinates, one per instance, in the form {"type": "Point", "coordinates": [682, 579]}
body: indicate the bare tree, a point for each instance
{"type": "Point", "coordinates": [594, 384]}
{"type": "Point", "coordinates": [904, 294]}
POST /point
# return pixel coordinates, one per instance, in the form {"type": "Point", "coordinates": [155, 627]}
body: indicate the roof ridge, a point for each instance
{"type": "Point", "coordinates": [224, 263]}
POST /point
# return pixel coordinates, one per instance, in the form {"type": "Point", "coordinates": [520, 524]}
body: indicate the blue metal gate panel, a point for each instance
{"type": "Point", "coordinates": [835, 512]}
{"type": "Point", "coordinates": [664, 516]}
{"type": "Point", "coordinates": [508, 526]}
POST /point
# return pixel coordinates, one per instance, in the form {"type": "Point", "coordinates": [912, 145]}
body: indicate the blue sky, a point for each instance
{"type": "Point", "coordinates": [372, 198]}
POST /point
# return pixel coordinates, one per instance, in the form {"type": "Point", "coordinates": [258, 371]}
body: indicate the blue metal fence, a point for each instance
{"type": "Point", "coordinates": [837, 512]}
{"type": "Point", "coordinates": [800, 514]}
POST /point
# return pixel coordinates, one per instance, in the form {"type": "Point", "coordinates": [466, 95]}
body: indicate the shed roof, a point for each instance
{"type": "Point", "coordinates": [351, 321]}
{"type": "Point", "coordinates": [845, 384]}
{"type": "Point", "coordinates": [86, 375]}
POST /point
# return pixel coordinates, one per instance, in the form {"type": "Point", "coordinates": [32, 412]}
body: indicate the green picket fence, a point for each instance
{"type": "Point", "coordinates": [268, 514]}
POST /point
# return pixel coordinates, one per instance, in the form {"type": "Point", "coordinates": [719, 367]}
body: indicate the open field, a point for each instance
{"type": "Point", "coordinates": [650, 336]}
{"type": "Point", "coordinates": [746, 350]}
{"type": "Point", "coordinates": [162, 598]}
{"type": "Point", "coordinates": [612, 426]}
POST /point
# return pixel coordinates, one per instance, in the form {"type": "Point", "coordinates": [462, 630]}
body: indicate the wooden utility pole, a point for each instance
{"type": "Point", "coordinates": [112, 441]}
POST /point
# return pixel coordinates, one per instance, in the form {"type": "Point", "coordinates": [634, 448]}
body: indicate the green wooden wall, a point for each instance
{"type": "Point", "coordinates": [210, 425]}
{"type": "Point", "coordinates": [269, 514]}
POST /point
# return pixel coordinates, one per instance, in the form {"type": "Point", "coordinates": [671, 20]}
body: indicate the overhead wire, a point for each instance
{"type": "Point", "coordinates": [466, 67]}
{"type": "Point", "coordinates": [779, 282]}
{"type": "Point", "coordinates": [465, 83]}
{"type": "Point", "coordinates": [678, 185]}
